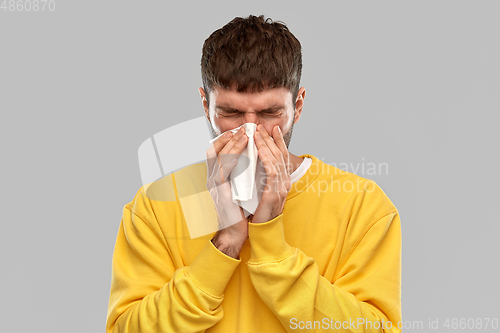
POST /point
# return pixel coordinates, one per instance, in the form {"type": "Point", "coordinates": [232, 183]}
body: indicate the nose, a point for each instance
{"type": "Point", "coordinates": [251, 117]}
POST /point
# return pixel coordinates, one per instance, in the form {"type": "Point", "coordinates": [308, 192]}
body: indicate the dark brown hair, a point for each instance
{"type": "Point", "coordinates": [250, 55]}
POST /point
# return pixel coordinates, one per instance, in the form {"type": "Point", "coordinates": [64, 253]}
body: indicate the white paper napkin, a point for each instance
{"type": "Point", "coordinates": [249, 181]}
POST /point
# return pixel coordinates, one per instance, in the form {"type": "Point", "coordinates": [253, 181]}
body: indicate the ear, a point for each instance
{"type": "Point", "coordinates": [299, 104]}
{"type": "Point", "coordinates": [204, 102]}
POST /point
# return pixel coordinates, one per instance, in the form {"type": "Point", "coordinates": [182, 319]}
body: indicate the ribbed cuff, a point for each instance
{"type": "Point", "coordinates": [267, 241]}
{"type": "Point", "coordinates": [211, 270]}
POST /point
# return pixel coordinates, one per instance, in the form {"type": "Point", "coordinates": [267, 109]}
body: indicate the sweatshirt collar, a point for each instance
{"type": "Point", "coordinates": [308, 178]}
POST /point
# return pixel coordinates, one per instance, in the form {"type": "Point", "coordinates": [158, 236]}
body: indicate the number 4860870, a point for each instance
{"type": "Point", "coordinates": [28, 5]}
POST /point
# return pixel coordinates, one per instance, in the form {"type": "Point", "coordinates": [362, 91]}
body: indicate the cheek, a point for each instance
{"type": "Point", "coordinates": [215, 123]}
{"type": "Point", "coordinates": [288, 123]}
{"type": "Point", "coordinates": [222, 125]}
{"type": "Point", "coordinates": [269, 126]}
{"type": "Point", "coordinates": [284, 123]}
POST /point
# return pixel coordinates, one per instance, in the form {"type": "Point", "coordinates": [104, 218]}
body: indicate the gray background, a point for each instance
{"type": "Point", "coordinates": [414, 84]}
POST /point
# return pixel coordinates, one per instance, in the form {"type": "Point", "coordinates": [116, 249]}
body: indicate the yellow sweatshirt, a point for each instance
{"type": "Point", "coordinates": [331, 262]}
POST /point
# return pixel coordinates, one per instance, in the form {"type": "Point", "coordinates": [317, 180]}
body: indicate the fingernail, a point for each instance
{"type": "Point", "coordinates": [242, 139]}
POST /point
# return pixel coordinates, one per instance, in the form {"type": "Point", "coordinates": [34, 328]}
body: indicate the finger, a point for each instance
{"type": "Point", "coordinates": [277, 181]}
{"type": "Point", "coordinates": [228, 212]}
{"type": "Point", "coordinates": [280, 143]}
{"type": "Point", "coordinates": [221, 172]}
{"type": "Point", "coordinates": [222, 141]}
{"type": "Point", "coordinates": [228, 157]}
{"type": "Point", "coordinates": [268, 139]}
{"type": "Point", "coordinates": [275, 157]}
{"type": "Point", "coordinates": [268, 162]}
{"type": "Point", "coordinates": [261, 143]}
{"type": "Point", "coordinates": [236, 144]}
{"type": "Point", "coordinates": [215, 148]}
{"type": "Point", "coordinates": [273, 147]}
{"type": "Point", "coordinates": [267, 159]}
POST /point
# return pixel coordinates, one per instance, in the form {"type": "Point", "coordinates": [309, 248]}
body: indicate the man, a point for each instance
{"type": "Point", "coordinates": [322, 251]}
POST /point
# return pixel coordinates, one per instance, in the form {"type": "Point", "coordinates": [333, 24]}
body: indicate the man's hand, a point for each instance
{"type": "Point", "coordinates": [276, 161]}
{"type": "Point", "coordinates": [222, 158]}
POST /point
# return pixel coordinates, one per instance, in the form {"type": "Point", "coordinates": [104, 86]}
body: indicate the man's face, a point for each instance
{"type": "Point", "coordinates": [229, 109]}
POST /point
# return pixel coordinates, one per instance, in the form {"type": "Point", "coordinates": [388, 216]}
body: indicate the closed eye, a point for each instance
{"type": "Point", "coordinates": [228, 112]}
{"type": "Point", "coordinates": [270, 114]}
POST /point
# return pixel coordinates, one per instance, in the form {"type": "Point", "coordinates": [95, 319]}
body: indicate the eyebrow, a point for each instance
{"type": "Point", "coordinates": [270, 109]}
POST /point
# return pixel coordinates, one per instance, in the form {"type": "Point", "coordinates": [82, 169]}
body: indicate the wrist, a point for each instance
{"type": "Point", "coordinates": [230, 246]}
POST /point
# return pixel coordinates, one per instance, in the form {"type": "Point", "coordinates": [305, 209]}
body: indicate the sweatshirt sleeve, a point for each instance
{"type": "Point", "coordinates": [365, 295]}
{"type": "Point", "coordinates": [149, 295]}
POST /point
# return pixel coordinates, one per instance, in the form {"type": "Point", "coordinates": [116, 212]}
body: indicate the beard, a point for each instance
{"type": "Point", "coordinates": [288, 136]}
{"type": "Point", "coordinates": [211, 129]}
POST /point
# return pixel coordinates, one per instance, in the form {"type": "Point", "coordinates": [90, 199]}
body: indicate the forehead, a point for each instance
{"type": "Point", "coordinates": [231, 98]}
